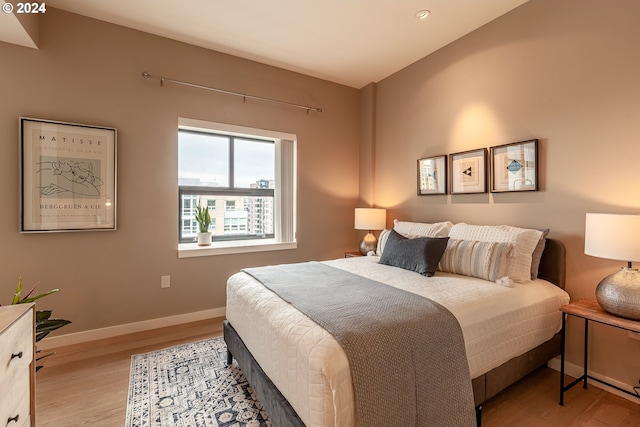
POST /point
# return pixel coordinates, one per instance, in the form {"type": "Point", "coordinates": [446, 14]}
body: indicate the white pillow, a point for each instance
{"type": "Point", "coordinates": [422, 229]}
{"type": "Point", "coordinates": [382, 241]}
{"type": "Point", "coordinates": [524, 243]}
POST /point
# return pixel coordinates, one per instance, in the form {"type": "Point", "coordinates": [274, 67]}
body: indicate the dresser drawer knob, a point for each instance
{"type": "Point", "coordinates": [14, 419]}
{"type": "Point", "coordinates": [13, 356]}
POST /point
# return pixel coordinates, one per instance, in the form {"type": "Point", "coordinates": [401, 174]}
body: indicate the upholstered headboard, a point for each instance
{"type": "Point", "coordinates": [553, 263]}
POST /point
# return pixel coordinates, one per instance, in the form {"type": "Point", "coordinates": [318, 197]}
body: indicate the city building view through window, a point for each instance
{"type": "Point", "coordinates": [234, 177]}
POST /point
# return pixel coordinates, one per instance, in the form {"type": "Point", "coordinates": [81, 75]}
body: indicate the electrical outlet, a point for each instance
{"type": "Point", "coordinates": [165, 281]}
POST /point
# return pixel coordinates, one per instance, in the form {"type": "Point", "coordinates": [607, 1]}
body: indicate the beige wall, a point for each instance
{"type": "Point", "coordinates": [367, 145]}
{"type": "Point", "coordinates": [566, 72]}
{"type": "Point", "coordinates": [88, 71]}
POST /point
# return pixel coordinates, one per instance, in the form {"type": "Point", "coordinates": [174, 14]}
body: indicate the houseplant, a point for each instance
{"type": "Point", "coordinates": [44, 323]}
{"type": "Point", "coordinates": [203, 219]}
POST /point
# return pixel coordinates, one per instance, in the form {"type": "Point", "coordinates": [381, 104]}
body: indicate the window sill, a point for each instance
{"type": "Point", "coordinates": [190, 250]}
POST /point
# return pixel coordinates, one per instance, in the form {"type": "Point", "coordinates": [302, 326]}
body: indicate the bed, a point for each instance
{"type": "Point", "coordinates": [302, 376]}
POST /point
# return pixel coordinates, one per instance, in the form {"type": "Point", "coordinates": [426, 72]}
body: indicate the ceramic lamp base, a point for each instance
{"type": "Point", "coordinates": [369, 243]}
{"type": "Point", "coordinates": [619, 293]}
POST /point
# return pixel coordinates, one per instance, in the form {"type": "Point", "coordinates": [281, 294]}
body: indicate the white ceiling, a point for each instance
{"type": "Point", "coordinates": [352, 42]}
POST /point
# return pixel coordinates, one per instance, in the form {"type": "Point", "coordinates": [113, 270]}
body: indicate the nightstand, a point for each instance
{"type": "Point", "coordinates": [352, 254]}
{"type": "Point", "coordinates": [590, 310]}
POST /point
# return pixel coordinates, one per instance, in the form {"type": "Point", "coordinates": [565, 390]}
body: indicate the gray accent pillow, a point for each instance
{"type": "Point", "coordinates": [421, 254]}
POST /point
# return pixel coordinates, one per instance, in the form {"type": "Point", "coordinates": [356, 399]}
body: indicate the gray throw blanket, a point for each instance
{"type": "Point", "coordinates": [406, 353]}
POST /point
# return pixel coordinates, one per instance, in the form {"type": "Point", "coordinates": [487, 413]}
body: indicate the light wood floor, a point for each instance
{"type": "Point", "coordinates": [87, 385]}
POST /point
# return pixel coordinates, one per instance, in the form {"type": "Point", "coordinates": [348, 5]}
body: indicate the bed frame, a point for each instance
{"type": "Point", "coordinates": [282, 414]}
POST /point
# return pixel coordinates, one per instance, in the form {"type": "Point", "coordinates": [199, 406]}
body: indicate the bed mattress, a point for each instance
{"type": "Point", "coordinates": [310, 368]}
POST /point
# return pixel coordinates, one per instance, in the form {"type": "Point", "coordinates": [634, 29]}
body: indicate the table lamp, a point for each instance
{"type": "Point", "coordinates": [369, 219]}
{"type": "Point", "coordinates": [613, 236]}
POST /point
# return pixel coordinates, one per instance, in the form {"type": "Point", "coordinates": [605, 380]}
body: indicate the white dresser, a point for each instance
{"type": "Point", "coordinates": [17, 367]}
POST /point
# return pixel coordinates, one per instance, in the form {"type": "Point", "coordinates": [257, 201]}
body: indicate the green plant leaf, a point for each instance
{"type": "Point", "coordinates": [44, 324]}
{"type": "Point", "coordinates": [37, 297]}
{"type": "Point", "coordinates": [16, 296]}
{"type": "Point", "coordinates": [32, 289]}
{"type": "Point", "coordinates": [42, 315]}
{"type": "Point", "coordinates": [45, 328]}
{"type": "Point", "coordinates": [203, 218]}
{"type": "Point", "coordinates": [51, 325]}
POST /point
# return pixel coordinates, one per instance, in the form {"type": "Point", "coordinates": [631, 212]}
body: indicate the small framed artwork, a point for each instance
{"type": "Point", "coordinates": [67, 176]}
{"type": "Point", "coordinates": [432, 176]}
{"type": "Point", "coordinates": [514, 167]}
{"type": "Point", "coordinates": [469, 172]}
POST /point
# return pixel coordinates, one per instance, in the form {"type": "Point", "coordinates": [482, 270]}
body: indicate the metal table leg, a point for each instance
{"type": "Point", "coordinates": [586, 349]}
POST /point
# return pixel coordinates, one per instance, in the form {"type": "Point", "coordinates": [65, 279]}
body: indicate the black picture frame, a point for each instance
{"type": "Point", "coordinates": [468, 171]}
{"type": "Point", "coordinates": [514, 167]}
{"type": "Point", "coordinates": [432, 176]}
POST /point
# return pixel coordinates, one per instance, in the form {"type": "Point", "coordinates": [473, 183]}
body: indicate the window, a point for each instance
{"type": "Point", "coordinates": [245, 177]}
{"type": "Point", "coordinates": [230, 205]}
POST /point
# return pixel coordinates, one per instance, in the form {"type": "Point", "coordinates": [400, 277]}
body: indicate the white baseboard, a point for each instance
{"type": "Point", "coordinates": [128, 328]}
{"type": "Point", "coordinates": [577, 371]}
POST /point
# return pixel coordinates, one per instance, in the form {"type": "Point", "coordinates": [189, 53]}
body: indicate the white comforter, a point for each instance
{"type": "Point", "coordinates": [310, 368]}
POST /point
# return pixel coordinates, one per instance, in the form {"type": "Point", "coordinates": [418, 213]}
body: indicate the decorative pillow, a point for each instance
{"type": "Point", "coordinates": [524, 243]}
{"type": "Point", "coordinates": [484, 260]}
{"type": "Point", "coordinates": [422, 229]}
{"type": "Point", "coordinates": [382, 241]}
{"type": "Point", "coordinates": [537, 254]}
{"type": "Point", "coordinates": [420, 254]}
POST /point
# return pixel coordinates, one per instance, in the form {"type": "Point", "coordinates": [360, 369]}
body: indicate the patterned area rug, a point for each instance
{"type": "Point", "coordinates": [191, 385]}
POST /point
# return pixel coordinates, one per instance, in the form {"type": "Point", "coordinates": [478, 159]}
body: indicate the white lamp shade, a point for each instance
{"type": "Point", "coordinates": [612, 236]}
{"type": "Point", "coordinates": [370, 218]}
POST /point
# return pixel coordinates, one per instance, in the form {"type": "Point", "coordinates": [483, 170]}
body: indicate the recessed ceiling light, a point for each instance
{"type": "Point", "coordinates": [423, 14]}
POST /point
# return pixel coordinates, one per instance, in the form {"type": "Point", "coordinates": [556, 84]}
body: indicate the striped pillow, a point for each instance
{"type": "Point", "coordinates": [524, 242]}
{"type": "Point", "coordinates": [484, 260]}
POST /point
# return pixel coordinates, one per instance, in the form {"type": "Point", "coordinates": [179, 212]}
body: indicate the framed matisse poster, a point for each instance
{"type": "Point", "coordinates": [514, 167]}
{"type": "Point", "coordinates": [469, 171]}
{"type": "Point", "coordinates": [432, 176]}
{"type": "Point", "coordinates": [67, 176]}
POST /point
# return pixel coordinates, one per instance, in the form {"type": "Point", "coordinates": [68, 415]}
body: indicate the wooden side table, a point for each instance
{"type": "Point", "coordinates": [590, 310]}
{"type": "Point", "coordinates": [352, 254]}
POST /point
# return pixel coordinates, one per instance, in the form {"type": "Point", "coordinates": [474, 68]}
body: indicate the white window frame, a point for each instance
{"type": "Point", "coordinates": [285, 193]}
